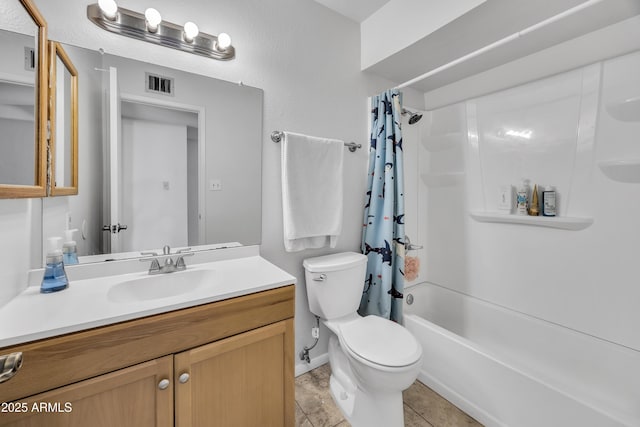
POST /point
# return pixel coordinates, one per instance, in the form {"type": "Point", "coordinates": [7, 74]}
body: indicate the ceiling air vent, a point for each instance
{"type": "Point", "coordinates": [159, 84]}
{"type": "Point", "coordinates": [29, 59]}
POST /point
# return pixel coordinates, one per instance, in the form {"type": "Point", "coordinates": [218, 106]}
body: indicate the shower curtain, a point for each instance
{"type": "Point", "coordinates": [383, 234]}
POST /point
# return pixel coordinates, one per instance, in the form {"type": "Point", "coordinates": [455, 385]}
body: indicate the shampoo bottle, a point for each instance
{"type": "Point", "coordinates": [522, 198]}
{"type": "Point", "coordinates": [69, 250]}
{"type": "Point", "coordinates": [55, 278]}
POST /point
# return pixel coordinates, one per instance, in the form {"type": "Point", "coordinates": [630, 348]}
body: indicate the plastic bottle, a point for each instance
{"type": "Point", "coordinates": [534, 209]}
{"type": "Point", "coordinates": [69, 249]}
{"type": "Point", "coordinates": [548, 201]}
{"type": "Point", "coordinates": [55, 278]}
{"type": "Point", "coordinates": [522, 198]}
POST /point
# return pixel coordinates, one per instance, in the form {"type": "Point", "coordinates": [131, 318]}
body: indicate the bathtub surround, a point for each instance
{"type": "Point", "coordinates": [312, 191]}
{"type": "Point", "coordinates": [383, 222]}
{"type": "Point", "coordinates": [548, 313]}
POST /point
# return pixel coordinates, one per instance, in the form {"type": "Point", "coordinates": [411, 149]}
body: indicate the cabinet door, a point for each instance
{"type": "Point", "coordinates": [244, 381]}
{"type": "Point", "coordinates": [130, 397]}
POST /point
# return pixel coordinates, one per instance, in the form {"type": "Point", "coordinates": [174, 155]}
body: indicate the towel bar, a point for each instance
{"type": "Point", "coordinates": [276, 136]}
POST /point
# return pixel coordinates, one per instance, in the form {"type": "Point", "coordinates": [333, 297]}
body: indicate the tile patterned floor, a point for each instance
{"type": "Point", "coordinates": [422, 406]}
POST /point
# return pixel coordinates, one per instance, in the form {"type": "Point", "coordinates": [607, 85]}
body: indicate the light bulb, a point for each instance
{"type": "Point", "coordinates": [224, 41]}
{"type": "Point", "coordinates": [153, 19]}
{"type": "Point", "coordinates": [190, 31]}
{"type": "Point", "coordinates": [109, 8]}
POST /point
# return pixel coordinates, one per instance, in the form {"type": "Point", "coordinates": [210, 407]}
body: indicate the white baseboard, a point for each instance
{"type": "Point", "coordinates": [304, 367]}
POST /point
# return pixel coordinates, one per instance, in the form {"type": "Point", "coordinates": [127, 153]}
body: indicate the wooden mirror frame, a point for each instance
{"type": "Point", "coordinates": [39, 189]}
{"type": "Point", "coordinates": [56, 51]}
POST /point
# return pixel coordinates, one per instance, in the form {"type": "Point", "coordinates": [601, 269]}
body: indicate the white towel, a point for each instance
{"type": "Point", "coordinates": [311, 191]}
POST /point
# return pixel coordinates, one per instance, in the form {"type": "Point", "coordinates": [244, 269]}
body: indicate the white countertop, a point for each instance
{"type": "Point", "coordinates": [85, 304]}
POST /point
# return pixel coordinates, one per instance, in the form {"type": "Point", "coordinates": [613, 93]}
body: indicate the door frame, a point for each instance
{"type": "Point", "coordinates": [200, 111]}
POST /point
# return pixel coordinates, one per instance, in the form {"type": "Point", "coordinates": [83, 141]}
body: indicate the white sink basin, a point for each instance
{"type": "Point", "coordinates": [160, 285]}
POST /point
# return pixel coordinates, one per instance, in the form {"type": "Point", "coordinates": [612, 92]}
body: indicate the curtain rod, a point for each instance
{"type": "Point", "coordinates": [500, 42]}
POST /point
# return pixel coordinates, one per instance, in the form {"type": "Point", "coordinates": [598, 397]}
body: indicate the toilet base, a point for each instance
{"type": "Point", "coordinates": [361, 408]}
{"type": "Point", "coordinates": [367, 410]}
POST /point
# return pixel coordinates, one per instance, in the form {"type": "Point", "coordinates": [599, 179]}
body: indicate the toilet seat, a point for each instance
{"type": "Point", "coordinates": [380, 342]}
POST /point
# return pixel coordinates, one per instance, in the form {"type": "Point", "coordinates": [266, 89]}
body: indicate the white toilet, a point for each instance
{"type": "Point", "coordinates": [372, 359]}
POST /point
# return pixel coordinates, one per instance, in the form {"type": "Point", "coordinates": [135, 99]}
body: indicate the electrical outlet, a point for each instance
{"type": "Point", "coordinates": [315, 332]}
{"type": "Point", "coordinates": [215, 185]}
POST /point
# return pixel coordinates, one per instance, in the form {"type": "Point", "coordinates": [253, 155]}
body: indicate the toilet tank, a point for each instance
{"type": "Point", "coordinates": [335, 283]}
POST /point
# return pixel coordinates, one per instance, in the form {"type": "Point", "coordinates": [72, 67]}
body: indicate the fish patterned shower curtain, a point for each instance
{"type": "Point", "coordinates": [383, 234]}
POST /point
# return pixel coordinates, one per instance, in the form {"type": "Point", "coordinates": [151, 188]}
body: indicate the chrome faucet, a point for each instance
{"type": "Point", "coordinates": [169, 265]}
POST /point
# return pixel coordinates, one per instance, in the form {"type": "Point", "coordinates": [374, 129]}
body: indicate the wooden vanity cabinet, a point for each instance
{"type": "Point", "coordinates": [231, 364]}
{"type": "Point", "coordinates": [239, 381]}
{"type": "Point", "coordinates": [126, 397]}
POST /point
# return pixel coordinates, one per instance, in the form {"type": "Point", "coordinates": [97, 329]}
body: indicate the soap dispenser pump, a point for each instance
{"type": "Point", "coordinates": [55, 278]}
{"type": "Point", "coordinates": [69, 249]}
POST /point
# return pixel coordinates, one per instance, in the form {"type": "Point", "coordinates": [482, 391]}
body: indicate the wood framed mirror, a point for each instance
{"type": "Point", "coordinates": [63, 119]}
{"type": "Point", "coordinates": [23, 102]}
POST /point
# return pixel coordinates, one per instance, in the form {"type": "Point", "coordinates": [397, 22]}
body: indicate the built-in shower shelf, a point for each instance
{"type": "Point", "coordinates": [621, 170]}
{"type": "Point", "coordinates": [442, 179]}
{"type": "Point", "coordinates": [563, 222]}
{"type": "Point", "coordinates": [443, 141]}
{"type": "Point", "coordinates": [625, 111]}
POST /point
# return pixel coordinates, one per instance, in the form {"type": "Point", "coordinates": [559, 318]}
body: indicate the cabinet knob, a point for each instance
{"type": "Point", "coordinates": [183, 378]}
{"type": "Point", "coordinates": [163, 384]}
{"type": "Point", "coordinates": [10, 364]}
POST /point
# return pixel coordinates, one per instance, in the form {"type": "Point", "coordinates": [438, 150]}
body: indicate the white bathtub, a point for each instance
{"type": "Point", "coordinates": [508, 369]}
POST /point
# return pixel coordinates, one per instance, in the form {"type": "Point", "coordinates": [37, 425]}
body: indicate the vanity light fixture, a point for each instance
{"type": "Point", "coordinates": [151, 28]}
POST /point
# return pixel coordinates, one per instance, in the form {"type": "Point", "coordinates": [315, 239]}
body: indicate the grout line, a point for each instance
{"type": "Point", "coordinates": [416, 412]}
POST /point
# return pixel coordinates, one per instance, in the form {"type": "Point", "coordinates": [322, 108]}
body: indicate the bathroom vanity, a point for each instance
{"type": "Point", "coordinates": [204, 359]}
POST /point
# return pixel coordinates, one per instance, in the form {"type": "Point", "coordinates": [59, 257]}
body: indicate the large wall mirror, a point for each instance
{"type": "Point", "coordinates": [166, 158]}
{"type": "Point", "coordinates": [23, 100]}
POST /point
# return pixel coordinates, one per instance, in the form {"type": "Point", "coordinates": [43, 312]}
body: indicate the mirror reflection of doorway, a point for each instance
{"type": "Point", "coordinates": [154, 173]}
{"type": "Point", "coordinates": [159, 176]}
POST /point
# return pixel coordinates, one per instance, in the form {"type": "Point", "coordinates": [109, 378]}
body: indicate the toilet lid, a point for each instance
{"type": "Point", "coordinates": [381, 341]}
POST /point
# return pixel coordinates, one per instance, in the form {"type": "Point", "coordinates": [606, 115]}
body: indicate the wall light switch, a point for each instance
{"type": "Point", "coordinates": [215, 185]}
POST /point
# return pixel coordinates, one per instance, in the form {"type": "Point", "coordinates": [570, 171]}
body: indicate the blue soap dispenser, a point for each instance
{"type": "Point", "coordinates": [69, 249]}
{"type": "Point", "coordinates": [55, 278]}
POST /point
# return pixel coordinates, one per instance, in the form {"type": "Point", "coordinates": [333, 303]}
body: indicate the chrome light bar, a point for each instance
{"type": "Point", "coordinates": [132, 24]}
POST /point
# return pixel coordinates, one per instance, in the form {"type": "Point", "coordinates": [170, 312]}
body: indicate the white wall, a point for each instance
{"type": "Point", "coordinates": [310, 86]}
{"type": "Point", "coordinates": [20, 230]}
